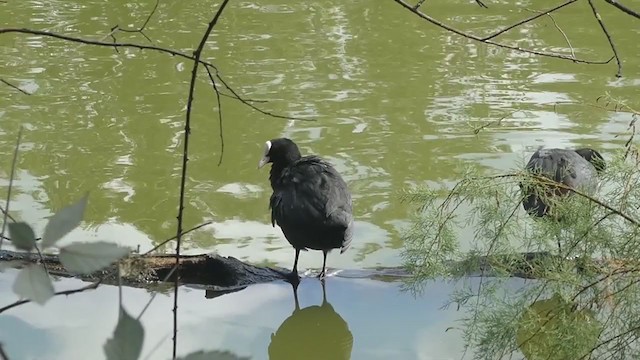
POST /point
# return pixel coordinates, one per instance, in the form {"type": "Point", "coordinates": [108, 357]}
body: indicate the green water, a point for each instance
{"type": "Point", "coordinates": [394, 102]}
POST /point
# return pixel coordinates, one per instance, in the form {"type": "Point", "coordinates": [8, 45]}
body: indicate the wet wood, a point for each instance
{"type": "Point", "coordinates": [219, 274]}
{"type": "Point", "coordinates": [210, 271]}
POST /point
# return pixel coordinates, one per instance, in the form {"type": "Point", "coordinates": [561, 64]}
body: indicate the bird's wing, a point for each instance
{"type": "Point", "coordinates": [311, 192]}
{"type": "Point", "coordinates": [565, 166]}
{"type": "Point", "coordinates": [553, 164]}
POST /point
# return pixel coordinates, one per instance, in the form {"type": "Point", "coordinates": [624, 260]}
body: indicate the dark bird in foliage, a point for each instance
{"type": "Point", "coordinates": [310, 202]}
{"type": "Point", "coordinates": [577, 169]}
{"type": "Point", "coordinates": [315, 332]}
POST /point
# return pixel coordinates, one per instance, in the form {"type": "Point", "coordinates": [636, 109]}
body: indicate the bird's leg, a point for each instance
{"type": "Point", "coordinates": [324, 291]}
{"type": "Point", "coordinates": [295, 294]}
{"type": "Point", "coordinates": [294, 273]}
{"type": "Point", "coordinates": [324, 264]}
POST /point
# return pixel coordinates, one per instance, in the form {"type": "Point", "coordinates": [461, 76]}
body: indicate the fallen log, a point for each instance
{"type": "Point", "coordinates": [210, 271]}
{"type": "Point", "coordinates": [219, 275]}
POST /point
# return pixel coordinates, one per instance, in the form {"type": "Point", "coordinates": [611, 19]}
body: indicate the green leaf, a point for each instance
{"type": "Point", "coordinates": [22, 235]}
{"type": "Point", "coordinates": [128, 337]}
{"type": "Point", "coordinates": [65, 220]}
{"type": "Point", "coordinates": [34, 284]}
{"type": "Point", "coordinates": [212, 355]}
{"type": "Point", "coordinates": [85, 258]}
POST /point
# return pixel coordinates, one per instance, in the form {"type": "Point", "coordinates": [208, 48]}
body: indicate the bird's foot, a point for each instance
{"type": "Point", "coordinates": [291, 277]}
{"type": "Point", "coordinates": [322, 275]}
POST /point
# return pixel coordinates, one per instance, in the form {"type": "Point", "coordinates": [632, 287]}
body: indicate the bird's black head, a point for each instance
{"type": "Point", "coordinates": [593, 157]}
{"type": "Point", "coordinates": [281, 152]}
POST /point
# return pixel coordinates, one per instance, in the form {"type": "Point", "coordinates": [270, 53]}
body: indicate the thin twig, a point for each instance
{"type": "Point", "coordinates": [481, 4]}
{"type": "Point", "coordinates": [13, 170]}
{"type": "Point", "coordinates": [529, 19]}
{"type": "Point", "coordinates": [490, 42]}
{"type": "Point", "coordinates": [119, 285]}
{"type": "Point", "coordinates": [140, 30]}
{"type": "Point", "coordinates": [104, 276]}
{"type": "Point", "coordinates": [419, 4]}
{"type": "Point", "coordinates": [606, 33]}
{"type": "Point", "coordinates": [185, 159]}
{"type": "Point", "coordinates": [5, 213]}
{"type": "Point", "coordinates": [91, 286]}
{"type": "Point", "coordinates": [175, 236]}
{"type": "Point", "coordinates": [148, 47]}
{"type": "Point", "coordinates": [246, 102]}
{"type": "Point", "coordinates": [3, 354]}
{"type": "Point", "coordinates": [215, 89]}
{"type": "Point", "coordinates": [173, 269]}
{"type": "Point", "coordinates": [623, 8]}
{"type": "Point", "coordinates": [545, 181]}
{"type": "Point", "coordinates": [14, 86]}
{"type": "Point", "coordinates": [605, 342]}
{"type": "Point", "coordinates": [566, 38]}
{"type": "Point", "coordinates": [44, 264]}
{"type": "Point", "coordinates": [250, 100]}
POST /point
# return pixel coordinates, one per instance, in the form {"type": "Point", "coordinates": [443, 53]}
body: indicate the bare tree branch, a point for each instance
{"type": "Point", "coordinates": [140, 30]}
{"type": "Point", "coordinates": [481, 4]}
{"type": "Point", "coordinates": [11, 176]}
{"type": "Point", "coordinates": [247, 101]}
{"type": "Point", "coordinates": [623, 8]}
{"type": "Point", "coordinates": [439, 24]}
{"type": "Point", "coordinates": [6, 213]}
{"type": "Point", "coordinates": [95, 284]}
{"type": "Point", "coordinates": [3, 354]}
{"type": "Point", "coordinates": [185, 159]}
{"type": "Point", "coordinates": [215, 89]}
{"type": "Point", "coordinates": [175, 237]}
{"type": "Point", "coordinates": [147, 47]}
{"type": "Point", "coordinates": [91, 286]}
{"type": "Point", "coordinates": [566, 38]}
{"type": "Point", "coordinates": [606, 33]}
{"type": "Point", "coordinates": [529, 19]}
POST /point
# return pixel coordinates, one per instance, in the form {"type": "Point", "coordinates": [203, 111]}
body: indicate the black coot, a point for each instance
{"type": "Point", "coordinates": [577, 169]}
{"type": "Point", "coordinates": [310, 202]}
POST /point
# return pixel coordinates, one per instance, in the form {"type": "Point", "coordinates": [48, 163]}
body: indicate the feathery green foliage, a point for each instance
{"type": "Point", "coordinates": [583, 298]}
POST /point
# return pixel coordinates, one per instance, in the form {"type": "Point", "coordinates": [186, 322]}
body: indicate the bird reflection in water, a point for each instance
{"type": "Point", "coordinates": [315, 332]}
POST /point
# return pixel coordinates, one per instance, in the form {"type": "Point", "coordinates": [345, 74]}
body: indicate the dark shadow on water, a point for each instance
{"type": "Point", "coordinates": [314, 332]}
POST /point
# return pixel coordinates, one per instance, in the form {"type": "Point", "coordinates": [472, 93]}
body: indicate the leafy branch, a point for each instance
{"type": "Point", "coordinates": [583, 301]}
